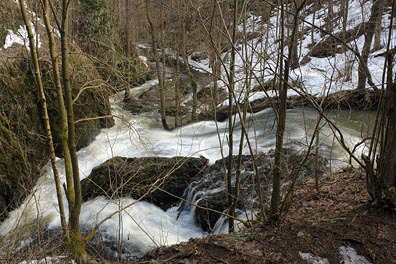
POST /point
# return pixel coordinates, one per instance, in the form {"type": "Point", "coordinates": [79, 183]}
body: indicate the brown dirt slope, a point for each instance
{"type": "Point", "coordinates": [317, 223]}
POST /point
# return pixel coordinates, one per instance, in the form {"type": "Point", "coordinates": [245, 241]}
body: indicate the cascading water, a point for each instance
{"type": "Point", "coordinates": [141, 225]}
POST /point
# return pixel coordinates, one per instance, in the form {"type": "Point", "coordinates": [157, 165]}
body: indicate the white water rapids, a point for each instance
{"type": "Point", "coordinates": [144, 225]}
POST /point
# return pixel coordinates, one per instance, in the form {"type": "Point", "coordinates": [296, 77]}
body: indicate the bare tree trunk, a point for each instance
{"type": "Point", "coordinates": [330, 16]}
{"type": "Point", "coordinates": [238, 173]}
{"type": "Point", "coordinates": [37, 75]}
{"type": "Point", "coordinates": [77, 242]}
{"type": "Point", "coordinates": [377, 34]}
{"type": "Point", "coordinates": [381, 183]}
{"type": "Point", "coordinates": [344, 14]}
{"type": "Point", "coordinates": [178, 119]}
{"type": "Point", "coordinates": [281, 116]}
{"type": "Point", "coordinates": [157, 66]}
{"type": "Point", "coordinates": [191, 76]}
{"type": "Point", "coordinates": [281, 119]}
{"type": "Point", "coordinates": [231, 85]}
{"type": "Point", "coordinates": [388, 155]}
{"type": "Point", "coordinates": [313, 23]}
{"type": "Point", "coordinates": [127, 29]}
{"type": "Point", "coordinates": [363, 71]}
{"type": "Point", "coordinates": [293, 62]}
{"type": "Point", "coordinates": [60, 99]}
{"type": "Point", "coordinates": [215, 50]}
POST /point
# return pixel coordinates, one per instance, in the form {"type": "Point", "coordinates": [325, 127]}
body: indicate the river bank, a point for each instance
{"type": "Point", "coordinates": [333, 225]}
{"type": "Point", "coordinates": [325, 224]}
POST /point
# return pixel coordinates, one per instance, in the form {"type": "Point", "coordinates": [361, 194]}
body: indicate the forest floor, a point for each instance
{"type": "Point", "coordinates": [319, 223]}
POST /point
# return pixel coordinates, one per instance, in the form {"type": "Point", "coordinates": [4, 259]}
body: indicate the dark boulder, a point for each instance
{"type": "Point", "coordinates": [155, 179]}
{"type": "Point", "coordinates": [210, 194]}
{"type": "Point", "coordinates": [209, 210]}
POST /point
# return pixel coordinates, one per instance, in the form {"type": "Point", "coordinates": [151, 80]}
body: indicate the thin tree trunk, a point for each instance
{"type": "Point", "coordinates": [244, 117]}
{"type": "Point", "coordinates": [230, 167]}
{"type": "Point", "coordinates": [127, 29]}
{"type": "Point", "coordinates": [158, 67]}
{"type": "Point", "coordinates": [377, 32]}
{"type": "Point", "coordinates": [330, 16]}
{"type": "Point", "coordinates": [77, 242]}
{"type": "Point", "coordinates": [61, 103]}
{"type": "Point", "coordinates": [363, 70]}
{"type": "Point", "coordinates": [293, 62]}
{"type": "Point", "coordinates": [281, 117]}
{"type": "Point", "coordinates": [178, 119]}
{"type": "Point", "coordinates": [37, 75]}
{"type": "Point", "coordinates": [163, 71]}
{"type": "Point", "coordinates": [191, 76]}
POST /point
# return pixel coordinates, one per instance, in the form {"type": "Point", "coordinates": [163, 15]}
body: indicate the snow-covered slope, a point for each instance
{"type": "Point", "coordinates": [315, 75]}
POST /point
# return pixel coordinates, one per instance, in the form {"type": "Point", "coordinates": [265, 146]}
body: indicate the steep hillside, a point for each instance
{"type": "Point", "coordinates": [23, 149]}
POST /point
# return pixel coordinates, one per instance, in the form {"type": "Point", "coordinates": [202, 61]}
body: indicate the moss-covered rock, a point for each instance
{"type": "Point", "coordinates": [155, 179]}
{"type": "Point", "coordinates": [23, 147]}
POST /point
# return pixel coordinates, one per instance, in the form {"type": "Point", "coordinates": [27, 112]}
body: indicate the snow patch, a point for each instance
{"type": "Point", "coordinates": [21, 37]}
{"type": "Point", "coordinates": [311, 259]}
{"type": "Point", "coordinates": [350, 256]}
{"type": "Point", "coordinates": [144, 60]}
{"type": "Point", "coordinates": [48, 260]}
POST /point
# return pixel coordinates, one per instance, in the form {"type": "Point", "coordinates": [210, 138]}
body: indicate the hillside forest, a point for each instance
{"type": "Point", "coordinates": [205, 131]}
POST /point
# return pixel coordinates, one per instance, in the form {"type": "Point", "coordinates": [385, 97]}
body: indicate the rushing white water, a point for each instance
{"type": "Point", "coordinates": [144, 225]}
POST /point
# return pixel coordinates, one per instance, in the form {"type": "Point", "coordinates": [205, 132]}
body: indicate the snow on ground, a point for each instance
{"type": "Point", "coordinates": [317, 77]}
{"type": "Point", "coordinates": [348, 256]}
{"type": "Point", "coordinates": [21, 37]}
{"type": "Point", "coordinates": [312, 259]}
{"type": "Point", "coordinates": [47, 260]}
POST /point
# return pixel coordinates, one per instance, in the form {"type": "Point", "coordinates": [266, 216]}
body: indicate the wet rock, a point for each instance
{"type": "Point", "coordinates": [137, 107]}
{"type": "Point", "coordinates": [221, 114]}
{"type": "Point", "coordinates": [173, 110]}
{"type": "Point", "coordinates": [207, 218]}
{"type": "Point", "coordinates": [155, 179]}
{"type": "Point", "coordinates": [210, 193]}
{"type": "Point", "coordinates": [199, 56]}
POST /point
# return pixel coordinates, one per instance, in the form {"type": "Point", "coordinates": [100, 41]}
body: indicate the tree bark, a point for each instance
{"type": "Point", "coordinates": [61, 103]}
{"type": "Point", "coordinates": [47, 125]}
{"type": "Point", "coordinates": [281, 116]}
{"type": "Point", "coordinates": [77, 242]}
{"type": "Point", "coordinates": [191, 76]}
{"type": "Point", "coordinates": [363, 71]}
{"type": "Point", "coordinates": [160, 75]}
{"type": "Point", "coordinates": [127, 29]}
{"type": "Point", "coordinates": [388, 155]}
{"type": "Point", "coordinates": [231, 85]}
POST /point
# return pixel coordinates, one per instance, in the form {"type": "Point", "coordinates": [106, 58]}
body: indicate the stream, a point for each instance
{"type": "Point", "coordinates": [142, 226]}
